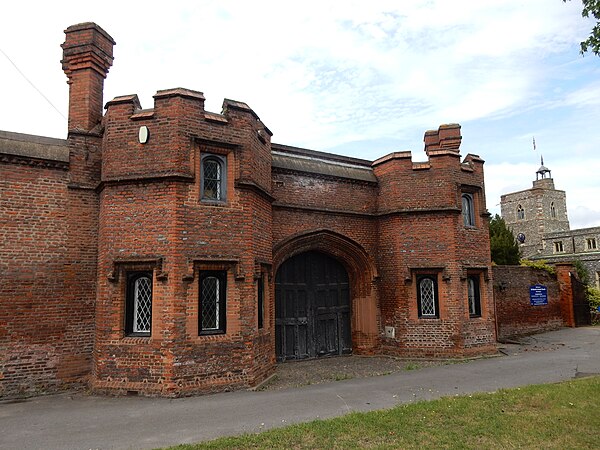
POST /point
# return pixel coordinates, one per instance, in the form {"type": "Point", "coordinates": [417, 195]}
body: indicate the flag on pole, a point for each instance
{"type": "Point", "coordinates": [534, 143]}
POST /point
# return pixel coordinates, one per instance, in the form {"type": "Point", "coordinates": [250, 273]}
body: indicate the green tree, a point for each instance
{"type": "Point", "coordinates": [591, 8]}
{"type": "Point", "coordinates": [504, 247]}
{"type": "Point", "coordinates": [593, 293]}
{"type": "Point", "coordinates": [582, 272]}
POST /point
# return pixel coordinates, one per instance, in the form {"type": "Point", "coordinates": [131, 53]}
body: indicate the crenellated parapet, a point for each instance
{"type": "Point", "coordinates": [163, 140]}
{"type": "Point", "coordinates": [255, 153]}
{"type": "Point", "coordinates": [434, 184]}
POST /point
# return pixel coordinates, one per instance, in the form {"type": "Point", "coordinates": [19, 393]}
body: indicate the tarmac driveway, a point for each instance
{"type": "Point", "coordinates": [90, 422]}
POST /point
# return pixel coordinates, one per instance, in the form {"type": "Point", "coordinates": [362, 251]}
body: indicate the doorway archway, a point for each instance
{"type": "Point", "coordinates": [312, 307]}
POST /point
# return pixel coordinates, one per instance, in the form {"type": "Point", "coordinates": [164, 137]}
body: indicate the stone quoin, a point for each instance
{"type": "Point", "coordinates": [173, 251]}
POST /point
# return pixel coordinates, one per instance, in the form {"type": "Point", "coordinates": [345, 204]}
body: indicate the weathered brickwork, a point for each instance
{"type": "Point", "coordinates": [134, 197]}
{"type": "Point", "coordinates": [515, 314]}
{"type": "Point", "coordinates": [48, 232]}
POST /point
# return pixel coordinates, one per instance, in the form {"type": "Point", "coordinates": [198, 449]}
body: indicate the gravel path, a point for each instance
{"type": "Point", "coordinates": [326, 370]}
{"type": "Point", "coordinates": [329, 369]}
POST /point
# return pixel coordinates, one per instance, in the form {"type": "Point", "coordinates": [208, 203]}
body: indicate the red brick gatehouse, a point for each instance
{"type": "Point", "coordinates": [172, 251]}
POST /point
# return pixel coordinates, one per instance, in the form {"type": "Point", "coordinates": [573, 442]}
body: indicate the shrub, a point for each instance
{"type": "Point", "coordinates": [541, 264]}
{"type": "Point", "coordinates": [593, 295]}
{"type": "Point", "coordinates": [582, 272]}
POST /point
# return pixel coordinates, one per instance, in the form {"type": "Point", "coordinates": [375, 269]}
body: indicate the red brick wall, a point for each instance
{"type": "Point", "coordinates": [306, 191]}
{"type": "Point", "coordinates": [47, 264]}
{"type": "Point", "coordinates": [153, 218]}
{"type": "Point", "coordinates": [409, 222]}
{"type": "Point", "coordinates": [421, 230]}
{"type": "Point", "coordinates": [515, 315]}
{"type": "Point", "coordinates": [151, 210]}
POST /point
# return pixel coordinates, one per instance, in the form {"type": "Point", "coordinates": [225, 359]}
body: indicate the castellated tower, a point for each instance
{"type": "Point", "coordinates": [534, 212]}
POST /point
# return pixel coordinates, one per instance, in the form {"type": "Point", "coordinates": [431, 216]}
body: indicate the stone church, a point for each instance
{"type": "Point", "coordinates": [538, 218]}
{"type": "Point", "coordinates": [172, 251]}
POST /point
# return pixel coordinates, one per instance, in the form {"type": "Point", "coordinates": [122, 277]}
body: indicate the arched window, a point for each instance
{"type": "Point", "coordinates": [520, 213]}
{"type": "Point", "coordinates": [552, 210]}
{"type": "Point", "coordinates": [474, 296]}
{"type": "Point", "coordinates": [467, 210]}
{"type": "Point", "coordinates": [213, 176]}
{"type": "Point", "coordinates": [427, 296]}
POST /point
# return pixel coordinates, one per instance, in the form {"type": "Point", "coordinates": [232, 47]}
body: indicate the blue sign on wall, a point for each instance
{"type": "Point", "coordinates": [538, 295]}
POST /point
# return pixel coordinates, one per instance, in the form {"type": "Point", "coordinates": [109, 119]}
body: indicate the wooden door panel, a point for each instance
{"type": "Point", "coordinates": [312, 308]}
{"type": "Point", "coordinates": [327, 335]}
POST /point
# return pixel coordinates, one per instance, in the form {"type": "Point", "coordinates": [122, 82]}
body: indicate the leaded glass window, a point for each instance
{"type": "Point", "coordinates": [427, 296]}
{"type": "Point", "coordinates": [520, 213]}
{"type": "Point", "coordinates": [467, 210]}
{"type": "Point", "coordinates": [138, 308]}
{"type": "Point", "coordinates": [213, 177]}
{"type": "Point", "coordinates": [142, 305]}
{"type": "Point", "coordinates": [212, 302]}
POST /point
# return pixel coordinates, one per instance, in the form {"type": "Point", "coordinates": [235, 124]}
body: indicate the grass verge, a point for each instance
{"type": "Point", "coordinates": [554, 416]}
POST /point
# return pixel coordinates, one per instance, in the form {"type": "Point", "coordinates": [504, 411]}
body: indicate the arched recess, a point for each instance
{"type": "Point", "coordinates": [360, 266]}
{"type": "Point", "coordinates": [361, 271]}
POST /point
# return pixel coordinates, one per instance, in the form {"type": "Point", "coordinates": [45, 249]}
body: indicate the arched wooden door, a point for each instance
{"type": "Point", "coordinates": [312, 307]}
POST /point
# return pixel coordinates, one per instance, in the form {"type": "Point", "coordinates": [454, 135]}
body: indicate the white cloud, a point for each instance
{"type": "Point", "coordinates": [588, 95]}
{"type": "Point", "coordinates": [422, 61]}
{"type": "Point", "coordinates": [325, 74]}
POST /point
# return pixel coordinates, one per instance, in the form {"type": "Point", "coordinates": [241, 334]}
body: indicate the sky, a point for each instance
{"type": "Point", "coordinates": [358, 78]}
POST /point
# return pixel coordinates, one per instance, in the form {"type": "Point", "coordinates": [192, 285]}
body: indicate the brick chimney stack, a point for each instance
{"type": "Point", "coordinates": [446, 139]}
{"type": "Point", "coordinates": [87, 56]}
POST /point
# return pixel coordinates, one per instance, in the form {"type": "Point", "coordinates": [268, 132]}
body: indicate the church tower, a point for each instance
{"type": "Point", "coordinates": [536, 211]}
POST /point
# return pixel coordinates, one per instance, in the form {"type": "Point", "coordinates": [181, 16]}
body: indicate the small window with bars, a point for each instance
{"type": "Point", "coordinates": [213, 176]}
{"type": "Point", "coordinates": [138, 308]}
{"type": "Point", "coordinates": [212, 291]}
{"type": "Point", "coordinates": [558, 247]}
{"type": "Point", "coordinates": [427, 296]}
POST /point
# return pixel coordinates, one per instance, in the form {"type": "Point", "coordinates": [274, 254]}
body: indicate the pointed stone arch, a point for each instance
{"type": "Point", "coordinates": [356, 260]}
